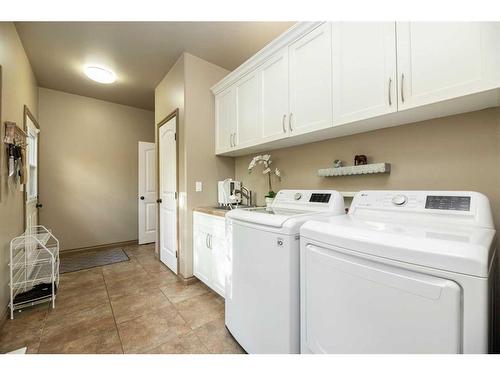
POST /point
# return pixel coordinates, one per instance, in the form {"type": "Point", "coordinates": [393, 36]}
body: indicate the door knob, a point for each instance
{"type": "Point", "coordinates": [158, 201]}
{"type": "Point", "coordinates": [39, 205]}
{"type": "Point", "coordinates": [142, 197]}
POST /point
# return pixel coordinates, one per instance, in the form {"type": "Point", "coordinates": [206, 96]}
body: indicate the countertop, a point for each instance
{"type": "Point", "coordinates": [212, 211]}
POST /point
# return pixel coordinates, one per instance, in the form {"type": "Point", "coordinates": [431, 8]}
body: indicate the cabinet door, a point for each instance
{"type": "Point", "coordinates": [274, 96]}
{"type": "Point", "coordinates": [364, 70]}
{"type": "Point", "coordinates": [438, 61]}
{"type": "Point", "coordinates": [225, 119]}
{"type": "Point", "coordinates": [311, 81]}
{"type": "Point", "coordinates": [249, 126]}
{"type": "Point", "coordinates": [220, 268]}
{"type": "Point", "coordinates": [202, 258]}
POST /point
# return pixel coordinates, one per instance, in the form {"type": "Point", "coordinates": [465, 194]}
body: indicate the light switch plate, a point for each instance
{"type": "Point", "coordinates": [199, 186]}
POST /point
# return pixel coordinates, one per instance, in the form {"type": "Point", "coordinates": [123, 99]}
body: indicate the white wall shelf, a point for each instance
{"type": "Point", "coordinates": [355, 170]}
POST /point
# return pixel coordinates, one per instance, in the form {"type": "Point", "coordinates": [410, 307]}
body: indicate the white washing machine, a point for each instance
{"type": "Point", "coordinates": [403, 272]}
{"type": "Point", "coordinates": [262, 288]}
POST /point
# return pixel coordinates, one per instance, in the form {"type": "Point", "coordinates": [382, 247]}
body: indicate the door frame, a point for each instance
{"type": "Point", "coordinates": [27, 113]}
{"type": "Point", "coordinates": [174, 113]}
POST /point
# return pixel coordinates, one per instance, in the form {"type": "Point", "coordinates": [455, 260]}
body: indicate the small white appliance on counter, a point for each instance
{"type": "Point", "coordinates": [262, 287]}
{"type": "Point", "coordinates": [403, 272]}
{"type": "Point", "coordinates": [226, 192]}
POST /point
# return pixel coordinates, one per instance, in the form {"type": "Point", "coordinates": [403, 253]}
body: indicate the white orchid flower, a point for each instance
{"type": "Point", "coordinates": [277, 172]}
{"type": "Point", "coordinates": [266, 157]}
{"type": "Point", "coordinates": [266, 171]}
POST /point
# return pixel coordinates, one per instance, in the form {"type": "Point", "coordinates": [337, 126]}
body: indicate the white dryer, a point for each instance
{"type": "Point", "coordinates": [403, 272]}
{"type": "Point", "coordinates": [262, 288]}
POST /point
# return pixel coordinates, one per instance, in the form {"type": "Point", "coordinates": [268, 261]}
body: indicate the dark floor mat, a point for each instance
{"type": "Point", "coordinates": [89, 259]}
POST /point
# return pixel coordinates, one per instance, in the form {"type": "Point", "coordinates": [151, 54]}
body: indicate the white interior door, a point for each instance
{"type": "Point", "coordinates": [167, 144]}
{"type": "Point", "coordinates": [31, 207]}
{"type": "Point", "coordinates": [147, 192]}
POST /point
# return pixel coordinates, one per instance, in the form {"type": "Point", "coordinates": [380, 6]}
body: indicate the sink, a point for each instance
{"type": "Point", "coordinates": [227, 208]}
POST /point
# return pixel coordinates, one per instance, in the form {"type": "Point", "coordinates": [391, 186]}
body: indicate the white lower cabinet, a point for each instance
{"type": "Point", "coordinates": [210, 261]}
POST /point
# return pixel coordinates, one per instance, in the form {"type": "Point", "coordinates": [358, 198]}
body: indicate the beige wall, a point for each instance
{"type": "Point", "coordinates": [459, 152]}
{"type": "Point", "coordinates": [202, 164]}
{"type": "Point", "coordinates": [169, 96]}
{"type": "Point", "coordinates": [19, 89]}
{"type": "Point", "coordinates": [187, 87]}
{"type": "Point", "coordinates": [89, 167]}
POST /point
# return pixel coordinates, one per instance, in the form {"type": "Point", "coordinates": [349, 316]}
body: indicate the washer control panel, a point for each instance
{"type": "Point", "coordinates": [320, 197]}
{"type": "Point", "coordinates": [309, 200]}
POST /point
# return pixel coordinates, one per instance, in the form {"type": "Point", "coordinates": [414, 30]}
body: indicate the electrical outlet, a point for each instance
{"type": "Point", "coordinates": [199, 186]}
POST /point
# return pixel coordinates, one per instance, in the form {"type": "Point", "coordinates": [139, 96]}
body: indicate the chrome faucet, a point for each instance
{"type": "Point", "coordinates": [247, 194]}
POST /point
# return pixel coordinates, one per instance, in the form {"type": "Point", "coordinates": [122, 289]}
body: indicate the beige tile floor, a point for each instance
{"type": "Point", "coordinates": [137, 306]}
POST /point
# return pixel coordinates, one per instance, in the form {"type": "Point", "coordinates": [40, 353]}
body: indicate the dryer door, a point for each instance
{"type": "Point", "coordinates": [354, 305]}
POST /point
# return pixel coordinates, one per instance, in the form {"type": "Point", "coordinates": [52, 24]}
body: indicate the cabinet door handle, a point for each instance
{"type": "Point", "coordinates": [402, 88]}
{"type": "Point", "coordinates": [290, 122]}
{"type": "Point", "coordinates": [234, 139]}
{"type": "Point", "coordinates": [206, 241]}
{"type": "Point", "coordinates": [390, 94]}
{"type": "Point", "coordinates": [283, 123]}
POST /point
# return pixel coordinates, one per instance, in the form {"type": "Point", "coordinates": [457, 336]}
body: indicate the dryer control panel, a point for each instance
{"type": "Point", "coordinates": [462, 206]}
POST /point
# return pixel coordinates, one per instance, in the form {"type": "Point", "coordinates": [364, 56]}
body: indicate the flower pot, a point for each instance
{"type": "Point", "coordinates": [269, 201]}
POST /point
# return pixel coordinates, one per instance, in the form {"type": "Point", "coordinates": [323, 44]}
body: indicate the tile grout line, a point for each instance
{"type": "Point", "coordinates": [113, 312]}
{"type": "Point", "coordinates": [43, 327]}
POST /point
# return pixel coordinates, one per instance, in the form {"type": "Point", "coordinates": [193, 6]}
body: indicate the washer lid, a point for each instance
{"type": "Point", "coordinates": [273, 217]}
{"type": "Point", "coordinates": [299, 205]}
{"type": "Point", "coordinates": [463, 249]}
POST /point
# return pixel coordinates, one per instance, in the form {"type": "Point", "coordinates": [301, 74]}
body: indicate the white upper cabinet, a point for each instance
{"type": "Point", "coordinates": [364, 70]}
{"type": "Point", "coordinates": [225, 119]}
{"type": "Point", "coordinates": [274, 96]}
{"type": "Point", "coordinates": [440, 60]}
{"type": "Point", "coordinates": [249, 125]}
{"type": "Point", "coordinates": [310, 62]}
{"type": "Point", "coordinates": [324, 80]}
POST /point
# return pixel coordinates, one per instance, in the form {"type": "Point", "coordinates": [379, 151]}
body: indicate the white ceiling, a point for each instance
{"type": "Point", "coordinates": [140, 53]}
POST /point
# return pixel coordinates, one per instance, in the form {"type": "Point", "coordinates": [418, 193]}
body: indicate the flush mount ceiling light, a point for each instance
{"type": "Point", "coordinates": [100, 74]}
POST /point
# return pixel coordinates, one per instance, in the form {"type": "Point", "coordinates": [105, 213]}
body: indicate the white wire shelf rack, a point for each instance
{"type": "Point", "coordinates": [34, 260]}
